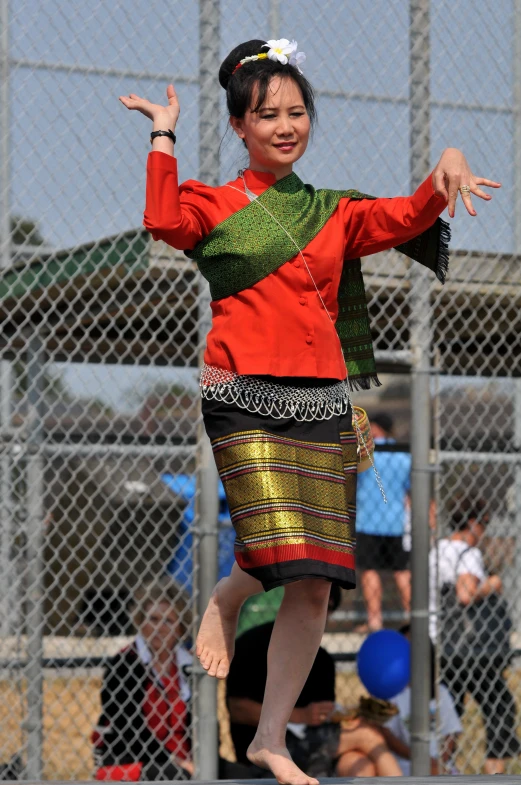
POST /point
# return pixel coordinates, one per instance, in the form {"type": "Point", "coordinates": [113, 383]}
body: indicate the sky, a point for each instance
{"type": "Point", "coordinates": [78, 156]}
{"type": "Point", "coordinates": [82, 177]}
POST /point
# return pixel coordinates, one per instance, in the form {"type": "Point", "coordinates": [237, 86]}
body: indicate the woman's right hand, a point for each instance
{"type": "Point", "coordinates": [164, 118]}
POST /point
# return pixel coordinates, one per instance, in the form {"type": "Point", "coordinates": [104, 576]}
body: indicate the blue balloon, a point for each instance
{"type": "Point", "coordinates": [384, 663]}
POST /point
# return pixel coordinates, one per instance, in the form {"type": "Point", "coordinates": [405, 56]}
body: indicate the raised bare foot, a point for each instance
{"type": "Point", "coordinates": [216, 639]}
{"type": "Point", "coordinates": [279, 762]}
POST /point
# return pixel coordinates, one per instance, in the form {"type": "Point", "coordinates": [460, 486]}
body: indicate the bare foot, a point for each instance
{"type": "Point", "coordinates": [279, 762]}
{"type": "Point", "coordinates": [216, 639]}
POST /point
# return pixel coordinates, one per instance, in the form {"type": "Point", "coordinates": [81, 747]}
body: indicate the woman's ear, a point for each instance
{"type": "Point", "coordinates": [237, 125]}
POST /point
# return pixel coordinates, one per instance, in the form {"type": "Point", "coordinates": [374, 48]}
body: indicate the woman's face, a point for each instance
{"type": "Point", "coordinates": [277, 134]}
{"type": "Point", "coordinates": [160, 628]}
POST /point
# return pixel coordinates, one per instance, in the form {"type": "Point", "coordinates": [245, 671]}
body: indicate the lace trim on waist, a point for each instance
{"type": "Point", "coordinates": [263, 396]}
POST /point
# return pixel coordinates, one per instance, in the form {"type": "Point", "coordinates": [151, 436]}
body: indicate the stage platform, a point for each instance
{"type": "Point", "coordinates": [481, 779]}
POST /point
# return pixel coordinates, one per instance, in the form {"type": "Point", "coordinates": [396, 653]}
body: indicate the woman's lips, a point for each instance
{"type": "Point", "coordinates": [286, 146]}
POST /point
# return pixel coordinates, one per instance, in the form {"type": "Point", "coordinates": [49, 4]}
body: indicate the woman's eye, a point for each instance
{"type": "Point", "coordinates": [297, 114]}
{"type": "Point", "coordinates": [267, 117]}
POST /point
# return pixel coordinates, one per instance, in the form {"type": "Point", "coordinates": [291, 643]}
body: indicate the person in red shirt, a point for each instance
{"type": "Point", "coordinates": [143, 732]}
{"type": "Point", "coordinates": [289, 339]}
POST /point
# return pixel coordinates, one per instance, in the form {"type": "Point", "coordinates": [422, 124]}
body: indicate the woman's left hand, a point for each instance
{"type": "Point", "coordinates": [451, 173]}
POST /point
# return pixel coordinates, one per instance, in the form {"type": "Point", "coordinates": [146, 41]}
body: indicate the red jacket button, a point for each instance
{"type": "Point", "coordinates": [309, 339]}
{"type": "Point", "coordinates": [297, 263]}
{"type": "Point", "coordinates": [303, 301]}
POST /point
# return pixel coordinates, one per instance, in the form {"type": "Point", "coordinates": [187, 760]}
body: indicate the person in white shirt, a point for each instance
{"type": "Point", "coordinates": [445, 726]}
{"type": "Point", "coordinates": [457, 561]}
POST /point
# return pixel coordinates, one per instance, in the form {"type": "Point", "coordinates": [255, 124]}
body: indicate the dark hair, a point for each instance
{"type": "Point", "coordinates": [384, 421]}
{"type": "Point", "coordinates": [465, 510]}
{"type": "Point", "coordinates": [239, 86]}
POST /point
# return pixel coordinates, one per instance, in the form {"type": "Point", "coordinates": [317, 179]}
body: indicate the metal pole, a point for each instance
{"type": "Point", "coordinates": [420, 337]}
{"type": "Point", "coordinates": [516, 605]}
{"type": "Point", "coordinates": [34, 555]}
{"type": "Point", "coordinates": [207, 731]}
{"type": "Point", "coordinates": [5, 217]}
{"type": "Point", "coordinates": [517, 124]}
{"type": "Point", "coordinates": [6, 582]}
{"type": "Point", "coordinates": [517, 249]}
{"type": "Point", "coordinates": [274, 19]}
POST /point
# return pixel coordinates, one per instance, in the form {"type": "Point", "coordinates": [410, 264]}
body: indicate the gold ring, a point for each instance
{"type": "Point", "coordinates": [464, 190]}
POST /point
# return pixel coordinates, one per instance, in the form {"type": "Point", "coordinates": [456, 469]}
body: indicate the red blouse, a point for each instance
{"type": "Point", "coordinates": [278, 326]}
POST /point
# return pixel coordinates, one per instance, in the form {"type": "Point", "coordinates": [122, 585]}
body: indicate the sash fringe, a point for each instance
{"type": "Point", "coordinates": [359, 383]}
{"type": "Point", "coordinates": [442, 264]}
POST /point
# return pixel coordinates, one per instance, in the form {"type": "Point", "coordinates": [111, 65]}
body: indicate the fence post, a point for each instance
{"type": "Point", "coordinates": [516, 605]}
{"type": "Point", "coordinates": [207, 730]}
{"type": "Point", "coordinates": [516, 86]}
{"type": "Point", "coordinates": [34, 555]}
{"type": "Point", "coordinates": [5, 103]}
{"type": "Point", "coordinates": [6, 533]}
{"type": "Point", "coordinates": [420, 337]}
{"type": "Point", "coordinates": [274, 19]}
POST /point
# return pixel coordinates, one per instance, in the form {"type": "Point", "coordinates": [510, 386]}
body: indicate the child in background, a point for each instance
{"type": "Point", "coordinates": [397, 729]}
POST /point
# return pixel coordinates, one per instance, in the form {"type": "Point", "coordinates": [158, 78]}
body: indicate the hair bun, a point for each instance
{"type": "Point", "coordinates": [247, 49]}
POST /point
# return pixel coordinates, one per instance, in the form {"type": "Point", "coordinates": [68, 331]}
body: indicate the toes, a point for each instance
{"type": "Point", "coordinates": [207, 660]}
{"type": "Point", "coordinates": [222, 670]}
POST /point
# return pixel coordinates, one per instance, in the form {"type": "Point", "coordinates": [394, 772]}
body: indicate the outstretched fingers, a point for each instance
{"type": "Point", "coordinates": [453, 195]}
{"type": "Point", "coordinates": [172, 95]}
{"type": "Point", "coordinates": [488, 183]}
{"type": "Point", "coordinates": [165, 116]}
{"type": "Point", "coordinates": [438, 183]}
{"type": "Point", "coordinates": [133, 101]}
{"type": "Point", "coordinates": [467, 201]}
{"type": "Point", "coordinates": [474, 184]}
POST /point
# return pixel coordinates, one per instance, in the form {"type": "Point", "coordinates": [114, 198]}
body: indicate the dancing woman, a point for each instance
{"type": "Point", "coordinates": [289, 339]}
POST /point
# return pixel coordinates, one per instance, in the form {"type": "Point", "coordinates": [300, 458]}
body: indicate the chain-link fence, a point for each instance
{"type": "Point", "coordinates": [106, 498]}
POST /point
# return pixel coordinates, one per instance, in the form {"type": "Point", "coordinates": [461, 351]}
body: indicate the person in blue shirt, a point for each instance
{"type": "Point", "coordinates": [380, 527]}
{"type": "Point", "coordinates": [181, 567]}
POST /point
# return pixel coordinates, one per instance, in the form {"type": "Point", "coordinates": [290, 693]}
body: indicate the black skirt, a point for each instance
{"type": "Point", "coordinates": [291, 490]}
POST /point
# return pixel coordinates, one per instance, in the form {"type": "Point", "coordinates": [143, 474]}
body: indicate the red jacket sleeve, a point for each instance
{"type": "Point", "coordinates": [179, 215]}
{"type": "Point", "coordinates": [374, 225]}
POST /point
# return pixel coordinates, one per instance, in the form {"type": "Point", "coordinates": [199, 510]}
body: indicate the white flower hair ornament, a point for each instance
{"type": "Point", "coordinates": [285, 52]}
{"type": "Point", "coordinates": [281, 50]}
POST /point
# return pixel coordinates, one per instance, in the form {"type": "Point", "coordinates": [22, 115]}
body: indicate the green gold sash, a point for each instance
{"type": "Point", "coordinates": [249, 245]}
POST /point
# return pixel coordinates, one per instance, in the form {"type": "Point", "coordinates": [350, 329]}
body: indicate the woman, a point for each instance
{"type": "Point", "coordinates": [456, 566]}
{"type": "Point", "coordinates": [144, 729]}
{"type": "Point", "coordinates": [286, 310]}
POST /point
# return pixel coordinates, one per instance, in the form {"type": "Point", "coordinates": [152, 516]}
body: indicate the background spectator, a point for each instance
{"type": "Point", "coordinates": [143, 732]}
{"type": "Point", "coordinates": [444, 723]}
{"type": "Point", "coordinates": [181, 566]}
{"type": "Point", "coordinates": [380, 527]}
{"type": "Point", "coordinates": [319, 746]}
{"type": "Point", "coordinates": [457, 563]}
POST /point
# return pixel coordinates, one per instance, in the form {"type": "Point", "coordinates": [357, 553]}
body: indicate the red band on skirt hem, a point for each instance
{"type": "Point", "coordinates": [284, 553]}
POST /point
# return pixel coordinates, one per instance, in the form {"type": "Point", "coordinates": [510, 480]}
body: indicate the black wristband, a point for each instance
{"type": "Point", "coordinates": [170, 135]}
